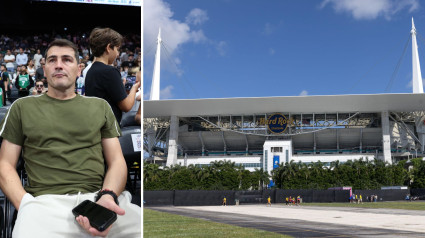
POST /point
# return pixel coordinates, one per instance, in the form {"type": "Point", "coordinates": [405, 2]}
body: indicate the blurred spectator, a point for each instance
{"type": "Point", "coordinates": [85, 51]}
{"type": "Point", "coordinates": [21, 58]}
{"type": "Point", "coordinates": [9, 59]}
{"type": "Point", "coordinates": [15, 75]}
{"type": "Point", "coordinates": [37, 57]}
{"type": "Point", "coordinates": [23, 82]}
{"type": "Point", "coordinates": [38, 88]}
{"type": "Point", "coordinates": [138, 61]}
{"type": "Point", "coordinates": [124, 55]}
{"type": "Point", "coordinates": [39, 73]}
{"type": "Point", "coordinates": [86, 60]}
{"type": "Point", "coordinates": [130, 62]}
{"type": "Point", "coordinates": [31, 69]}
{"type": "Point", "coordinates": [1, 59]}
{"type": "Point", "coordinates": [4, 80]}
{"type": "Point", "coordinates": [118, 63]}
{"type": "Point", "coordinates": [137, 52]}
{"type": "Point", "coordinates": [79, 83]}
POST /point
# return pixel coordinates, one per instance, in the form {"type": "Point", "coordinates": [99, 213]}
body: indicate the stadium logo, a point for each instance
{"type": "Point", "coordinates": [277, 123]}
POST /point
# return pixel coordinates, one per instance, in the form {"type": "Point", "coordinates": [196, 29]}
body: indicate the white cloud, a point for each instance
{"type": "Point", "coordinates": [272, 51]}
{"type": "Point", "coordinates": [221, 48]}
{"type": "Point", "coordinates": [268, 29]}
{"type": "Point", "coordinates": [157, 14]}
{"type": "Point", "coordinates": [198, 36]}
{"type": "Point", "coordinates": [197, 17]}
{"type": "Point", "coordinates": [371, 9]}
{"type": "Point", "coordinates": [166, 92]}
{"type": "Point", "coordinates": [303, 93]}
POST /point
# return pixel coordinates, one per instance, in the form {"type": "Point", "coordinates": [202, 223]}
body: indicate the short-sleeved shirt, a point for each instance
{"type": "Point", "coordinates": [21, 59]}
{"type": "Point", "coordinates": [105, 82]}
{"type": "Point", "coordinates": [9, 57]}
{"type": "Point", "coordinates": [62, 150]}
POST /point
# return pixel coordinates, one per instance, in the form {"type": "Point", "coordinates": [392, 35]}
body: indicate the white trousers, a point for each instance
{"type": "Point", "coordinates": [50, 216]}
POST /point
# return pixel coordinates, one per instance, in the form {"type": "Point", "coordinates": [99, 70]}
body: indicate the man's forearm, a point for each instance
{"type": "Point", "coordinates": [10, 184]}
{"type": "Point", "coordinates": [116, 177]}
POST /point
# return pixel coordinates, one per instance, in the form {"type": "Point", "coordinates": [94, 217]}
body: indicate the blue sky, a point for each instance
{"type": "Point", "coordinates": [253, 48]}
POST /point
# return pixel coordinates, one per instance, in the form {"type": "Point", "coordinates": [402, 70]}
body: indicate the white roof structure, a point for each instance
{"type": "Point", "coordinates": [297, 104]}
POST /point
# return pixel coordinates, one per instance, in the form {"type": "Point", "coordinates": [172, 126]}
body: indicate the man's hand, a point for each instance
{"type": "Point", "coordinates": [108, 202]}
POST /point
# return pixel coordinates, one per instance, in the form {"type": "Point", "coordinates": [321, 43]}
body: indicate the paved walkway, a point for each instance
{"type": "Point", "coordinates": [314, 221]}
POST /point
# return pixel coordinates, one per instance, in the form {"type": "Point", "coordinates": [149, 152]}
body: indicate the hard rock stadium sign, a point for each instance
{"type": "Point", "coordinates": [277, 123]}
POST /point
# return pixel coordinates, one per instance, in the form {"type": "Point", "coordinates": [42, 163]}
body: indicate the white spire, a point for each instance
{"type": "Point", "coordinates": [155, 87]}
{"type": "Point", "coordinates": [416, 67]}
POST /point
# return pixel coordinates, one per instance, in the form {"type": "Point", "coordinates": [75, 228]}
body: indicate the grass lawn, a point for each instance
{"type": "Point", "coordinates": [162, 224]}
{"type": "Point", "coordinates": [414, 205]}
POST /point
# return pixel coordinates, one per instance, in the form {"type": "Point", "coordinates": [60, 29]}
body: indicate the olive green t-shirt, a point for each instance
{"type": "Point", "coordinates": [61, 141]}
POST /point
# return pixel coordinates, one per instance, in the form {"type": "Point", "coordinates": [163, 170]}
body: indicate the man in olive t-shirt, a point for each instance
{"type": "Point", "coordinates": [65, 155]}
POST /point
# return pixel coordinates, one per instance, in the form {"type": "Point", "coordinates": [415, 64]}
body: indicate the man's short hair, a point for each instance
{"type": "Point", "coordinates": [63, 43]}
{"type": "Point", "coordinates": [101, 37]}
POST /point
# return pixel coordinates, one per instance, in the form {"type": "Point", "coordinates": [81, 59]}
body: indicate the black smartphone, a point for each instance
{"type": "Point", "coordinates": [131, 80]}
{"type": "Point", "coordinates": [100, 217]}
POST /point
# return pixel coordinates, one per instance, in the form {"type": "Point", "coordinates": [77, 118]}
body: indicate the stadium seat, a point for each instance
{"type": "Point", "coordinates": [133, 158]}
{"type": "Point", "coordinates": [128, 119]}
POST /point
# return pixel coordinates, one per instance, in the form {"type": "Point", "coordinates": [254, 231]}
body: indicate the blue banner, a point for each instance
{"type": "Point", "coordinates": [276, 161]}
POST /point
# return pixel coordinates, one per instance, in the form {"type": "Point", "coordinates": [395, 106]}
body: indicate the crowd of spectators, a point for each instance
{"type": "Point", "coordinates": [28, 51]}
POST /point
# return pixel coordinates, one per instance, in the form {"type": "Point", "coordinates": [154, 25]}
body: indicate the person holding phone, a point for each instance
{"type": "Point", "coordinates": [65, 157]}
{"type": "Point", "coordinates": [103, 80]}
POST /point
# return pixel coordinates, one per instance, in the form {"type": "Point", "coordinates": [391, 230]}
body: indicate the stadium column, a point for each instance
{"type": "Point", "coordinates": [172, 141]}
{"type": "Point", "coordinates": [420, 129]}
{"type": "Point", "coordinates": [386, 145]}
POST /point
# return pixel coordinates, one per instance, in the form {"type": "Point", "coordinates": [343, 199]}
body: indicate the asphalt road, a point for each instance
{"type": "Point", "coordinates": [301, 221]}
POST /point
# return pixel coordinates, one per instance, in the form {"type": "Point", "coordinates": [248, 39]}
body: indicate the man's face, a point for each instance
{"type": "Point", "coordinates": [3, 68]}
{"type": "Point", "coordinates": [39, 87]}
{"type": "Point", "coordinates": [61, 68]}
{"type": "Point", "coordinates": [8, 52]}
{"type": "Point", "coordinates": [23, 70]}
{"type": "Point", "coordinates": [42, 61]}
{"type": "Point", "coordinates": [21, 51]}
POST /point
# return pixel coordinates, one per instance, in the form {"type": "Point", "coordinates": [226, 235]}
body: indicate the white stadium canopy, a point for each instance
{"type": "Point", "coordinates": [407, 102]}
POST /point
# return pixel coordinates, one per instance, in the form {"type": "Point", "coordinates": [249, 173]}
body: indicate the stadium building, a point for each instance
{"type": "Point", "coordinates": [264, 132]}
